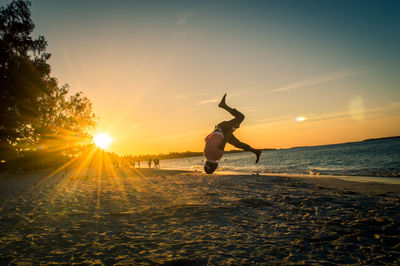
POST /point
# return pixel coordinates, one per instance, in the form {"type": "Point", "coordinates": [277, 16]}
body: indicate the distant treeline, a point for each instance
{"type": "Point", "coordinates": [171, 155]}
{"type": "Point", "coordinates": [394, 137]}
{"type": "Point", "coordinates": [144, 160]}
{"type": "Point", "coordinates": [164, 156]}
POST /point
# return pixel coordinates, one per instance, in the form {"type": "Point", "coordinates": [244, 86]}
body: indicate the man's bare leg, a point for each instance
{"type": "Point", "coordinates": [238, 144]}
{"type": "Point", "coordinates": [238, 115]}
{"type": "Point", "coordinates": [235, 123]}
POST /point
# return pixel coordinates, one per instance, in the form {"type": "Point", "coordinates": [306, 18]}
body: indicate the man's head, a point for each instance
{"type": "Point", "coordinates": [210, 167]}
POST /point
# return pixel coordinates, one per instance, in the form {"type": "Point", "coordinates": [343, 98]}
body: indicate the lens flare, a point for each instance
{"type": "Point", "coordinates": [102, 140]}
{"type": "Point", "coordinates": [300, 119]}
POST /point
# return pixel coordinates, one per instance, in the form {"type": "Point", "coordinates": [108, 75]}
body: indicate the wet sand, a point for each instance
{"type": "Point", "coordinates": [178, 218]}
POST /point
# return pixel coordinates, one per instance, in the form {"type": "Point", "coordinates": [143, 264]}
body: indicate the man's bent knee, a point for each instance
{"type": "Point", "coordinates": [239, 117]}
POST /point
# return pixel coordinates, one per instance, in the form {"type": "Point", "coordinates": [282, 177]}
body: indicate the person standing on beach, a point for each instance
{"type": "Point", "coordinates": [222, 134]}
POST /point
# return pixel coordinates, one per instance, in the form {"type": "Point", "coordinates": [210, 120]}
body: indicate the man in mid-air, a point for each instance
{"type": "Point", "coordinates": [222, 134]}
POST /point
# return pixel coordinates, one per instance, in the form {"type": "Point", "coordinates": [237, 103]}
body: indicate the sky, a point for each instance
{"type": "Point", "coordinates": [303, 72]}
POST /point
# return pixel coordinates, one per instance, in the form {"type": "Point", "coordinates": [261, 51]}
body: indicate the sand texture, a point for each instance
{"type": "Point", "coordinates": [176, 218]}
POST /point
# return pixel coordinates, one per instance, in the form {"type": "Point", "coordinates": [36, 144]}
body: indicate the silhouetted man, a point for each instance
{"type": "Point", "coordinates": [222, 134]}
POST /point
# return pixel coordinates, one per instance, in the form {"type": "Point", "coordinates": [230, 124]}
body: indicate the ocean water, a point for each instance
{"type": "Point", "coordinates": [373, 158]}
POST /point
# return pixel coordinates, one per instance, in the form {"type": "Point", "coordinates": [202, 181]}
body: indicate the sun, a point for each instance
{"type": "Point", "coordinates": [102, 140]}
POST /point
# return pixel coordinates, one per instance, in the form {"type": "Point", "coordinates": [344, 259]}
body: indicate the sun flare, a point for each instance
{"type": "Point", "coordinates": [102, 140]}
{"type": "Point", "coordinates": [300, 119]}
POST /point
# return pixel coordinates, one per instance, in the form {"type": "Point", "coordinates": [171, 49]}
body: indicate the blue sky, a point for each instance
{"type": "Point", "coordinates": [161, 66]}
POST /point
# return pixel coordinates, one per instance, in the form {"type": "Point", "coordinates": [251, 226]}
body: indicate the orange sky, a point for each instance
{"type": "Point", "coordinates": [156, 72]}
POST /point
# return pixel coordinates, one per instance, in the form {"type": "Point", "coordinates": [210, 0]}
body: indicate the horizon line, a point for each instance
{"type": "Point", "coordinates": [236, 150]}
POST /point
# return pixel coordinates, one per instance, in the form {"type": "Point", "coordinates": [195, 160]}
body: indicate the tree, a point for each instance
{"type": "Point", "coordinates": [23, 74]}
{"type": "Point", "coordinates": [65, 121]}
{"type": "Point", "coordinates": [35, 112]}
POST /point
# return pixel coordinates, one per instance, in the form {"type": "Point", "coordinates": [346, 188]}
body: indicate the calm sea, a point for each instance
{"type": "Point", "coordinates": [373, 158]}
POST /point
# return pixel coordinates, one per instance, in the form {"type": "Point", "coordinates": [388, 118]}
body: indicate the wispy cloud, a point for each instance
{"type": "Point", "coordinates": [317, 80]}
{"type": "Point", "coordinates": [182, 20]}
{"type": "Point", "coordinates": [237, 93]}
{"type": "Point", "coordinates": [273, 120]}
{"type": "Point", "coordinates": [208, 101]}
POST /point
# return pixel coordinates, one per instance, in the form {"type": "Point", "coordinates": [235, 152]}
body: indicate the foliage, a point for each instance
{"type": "Point", "coordinates": [36, 114]}
{"type": "Point", "coordinates": [23, 74]}
{"type": "Point", "coordinates": [64, 122]}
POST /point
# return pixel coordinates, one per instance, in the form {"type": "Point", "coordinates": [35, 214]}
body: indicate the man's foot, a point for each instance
{"type": "Point", "coordinates": [258, 154]}
{"type": "Point", "coordinates": [222, 103]}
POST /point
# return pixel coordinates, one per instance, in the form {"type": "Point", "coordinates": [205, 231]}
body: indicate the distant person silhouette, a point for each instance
{"type": "Point", "coordinates": [222, 134]}
{"type": "Point", "coordinates": [156, 163]}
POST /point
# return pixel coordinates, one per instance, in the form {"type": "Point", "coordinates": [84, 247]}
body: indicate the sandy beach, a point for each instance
{"type": "Point", "coordinates": [147, 217]}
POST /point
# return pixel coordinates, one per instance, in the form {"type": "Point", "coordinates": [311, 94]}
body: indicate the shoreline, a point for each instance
{"type": "Point", "coordinates": [359, 179]}
{"type": "Point", "coordinates": [373, 185]}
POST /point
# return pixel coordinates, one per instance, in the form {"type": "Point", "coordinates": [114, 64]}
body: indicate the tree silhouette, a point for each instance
{"type": "Point", "coordinates": [64, 122]}
{"type": "Point", "coordinates": [35, 113]}
{"type": "Point", "coordinates": [23, 74]}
